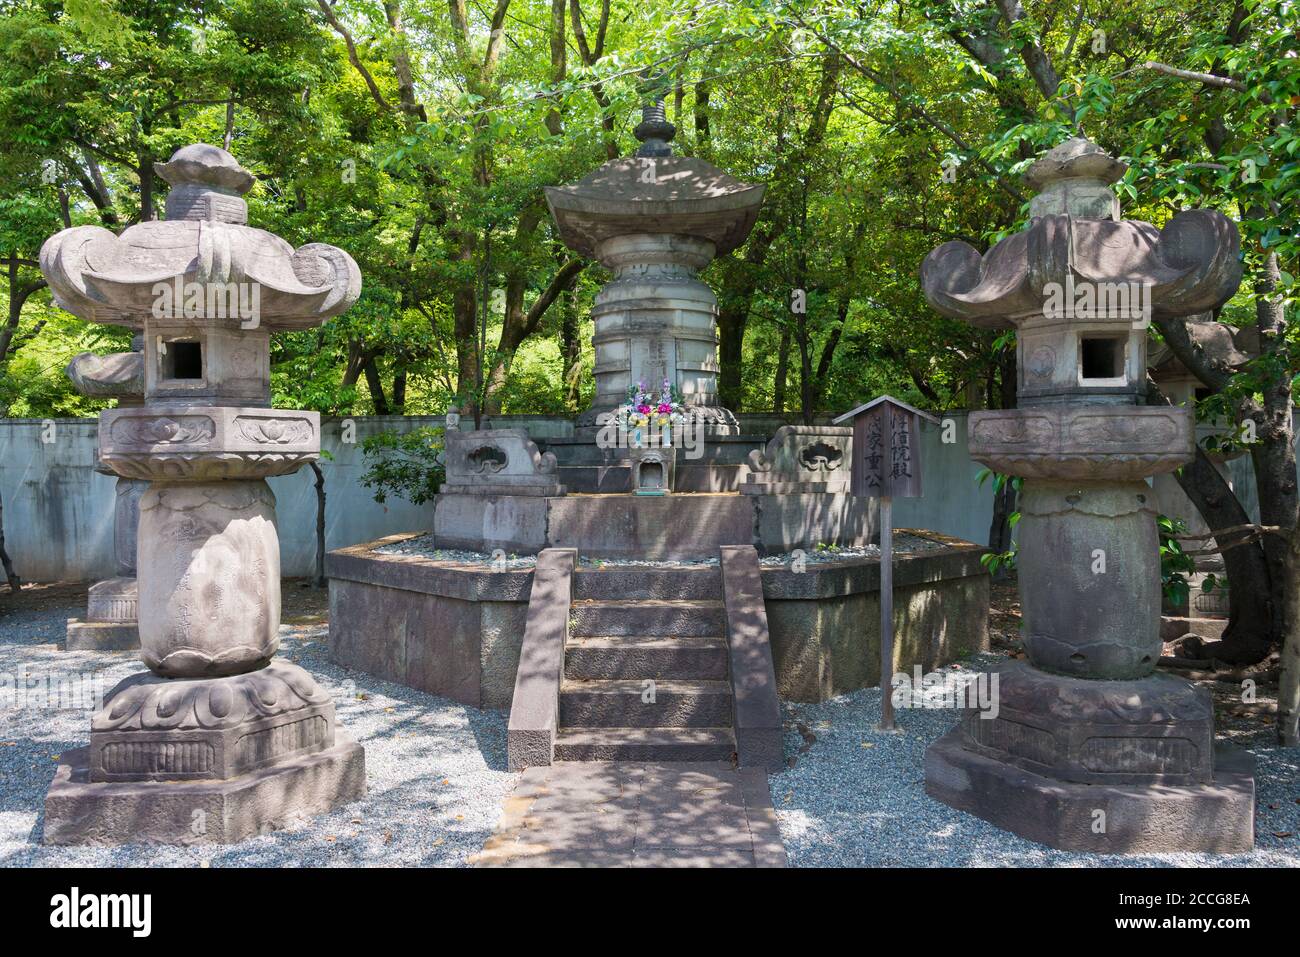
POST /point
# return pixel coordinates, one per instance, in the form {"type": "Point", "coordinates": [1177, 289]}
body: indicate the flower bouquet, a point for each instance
{"type": "Point", "coordinates": [645, 413]}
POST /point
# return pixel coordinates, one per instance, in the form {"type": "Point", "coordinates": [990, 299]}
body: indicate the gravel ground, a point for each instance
{"type": "Point", "coordinates": [856, 798]}
{"type": "Point", "coordinates": [423, 547]}
{"type": "Point", "coordinates": [437, 778]}
{"type": "Point", "coordinates": [435, 769]}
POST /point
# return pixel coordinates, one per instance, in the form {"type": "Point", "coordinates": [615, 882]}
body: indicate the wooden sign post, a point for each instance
{"type": "Point", "coordinates": [886, 462]}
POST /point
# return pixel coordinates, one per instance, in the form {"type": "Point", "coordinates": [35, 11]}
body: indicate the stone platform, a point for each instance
{"type": "Point", "coordinates": [79, 811]}
{"type": "Point", "coordinates": [1215, 817]}
{"type": "Point", "coordinates": [102, 636]}
{"type": "Point", "coordinates": [680, 526]}
{"type": "Point", "coordinates": [455, 628]}
{"type": "Point", "coordinates": [721, 465]}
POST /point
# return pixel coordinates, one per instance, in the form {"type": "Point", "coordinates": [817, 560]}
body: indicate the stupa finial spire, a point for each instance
{"type": "Point", "coordinates": [654, 131]}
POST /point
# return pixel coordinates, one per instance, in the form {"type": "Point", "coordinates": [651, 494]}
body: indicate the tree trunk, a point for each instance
{"type": "Point", "coordinates": [782, 370]}
{"type": "Point", "coordinates": [1006, 498]}
{"type": "Point", "coordinates": [1274, 455]}
{"type": "Point", "coordinates": [145, 172]}
{"type": "Point", "coordinates": [376, 385]}
{"type": "Point", "coordinates": [1249, 634]}
{"type": "Point", "coordinates": [1288, 692]}
{"type": "Point", "coordinates": [318, 580]}
{"type": "Point", "coordinates": [571, 350]}
{"type": "Point", "coordinates": [1251, 615]}
{"type": "Point", "coordinates": [399, 391]}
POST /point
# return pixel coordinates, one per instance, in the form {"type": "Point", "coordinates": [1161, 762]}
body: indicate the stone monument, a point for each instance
{"type": "Point", "coordinates": [1090, 749]}
{"type": "Point", "coordinates": [110, 622]}
{"type": "Point", "coordinates": [655, 220]}
{"type": "Point", "coordinates": [218, 740]}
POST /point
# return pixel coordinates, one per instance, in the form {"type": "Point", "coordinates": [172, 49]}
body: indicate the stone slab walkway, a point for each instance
{"type": "Point", "coordinates": [623, 814]}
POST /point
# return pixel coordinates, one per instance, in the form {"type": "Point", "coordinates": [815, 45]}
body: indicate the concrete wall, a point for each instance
{"type": "Point", "coordinates": [58, 512]}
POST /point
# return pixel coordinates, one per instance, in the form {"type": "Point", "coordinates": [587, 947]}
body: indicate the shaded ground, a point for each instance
{"type": "Point", "coordinates": [854, 796]}
{"type": "Point", "coordinates": [630, 814]}
{"type": "Point", "coordinates": [435, 769]}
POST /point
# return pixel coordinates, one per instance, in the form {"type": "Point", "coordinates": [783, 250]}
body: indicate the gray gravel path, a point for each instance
{"type": "Point", "coordinates": [436, 769]}
{"type": "Point", "coordinates": [856, 798]}
{"type": "Point", "coordinates": [437, 776]}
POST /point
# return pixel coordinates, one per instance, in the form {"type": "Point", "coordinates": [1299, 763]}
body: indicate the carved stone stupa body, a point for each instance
{"type": "Point", "coordinates": [218, 740]}
{"type": "Point", "coordinates": [655, 220]}
{"type": "Point", "coordinates": [1091, 749]}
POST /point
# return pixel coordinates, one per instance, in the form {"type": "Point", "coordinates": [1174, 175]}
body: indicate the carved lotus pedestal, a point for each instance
{"type": "Point", "coordinates": [204, 760]}
{"type": "Point", "coordinates": [217, 742]}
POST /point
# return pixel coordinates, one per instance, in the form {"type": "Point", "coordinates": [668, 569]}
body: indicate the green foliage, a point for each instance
{"type": "Point", "coordinates": [442, 204]}
{"type": "Point", "coordinates": [405, 464]}
{"type": "Point", "coordinates": [1175, 563]}
{"type": "Point", "coordinates": [997, 562]}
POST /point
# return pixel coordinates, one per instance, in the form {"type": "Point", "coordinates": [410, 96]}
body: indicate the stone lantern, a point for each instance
{"type": "Point", "coordinates": [110, 622]}
{"type": "Point", "coordinates": [1090, 749]}
{"type": "Point", "coordinates": [218, 740]}
{"type": "Point", "coordinates": [655, 220]}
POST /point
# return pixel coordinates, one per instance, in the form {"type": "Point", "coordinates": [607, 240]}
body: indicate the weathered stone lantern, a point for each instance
{"type": "Point", "coordinates": [1090, 749]}
{"type": "Point", "coordinates": [110, 622]}
{"type": "Point", "coordinates": [656, 220]}
{"type": "Point", "coordinates": [218, 740]}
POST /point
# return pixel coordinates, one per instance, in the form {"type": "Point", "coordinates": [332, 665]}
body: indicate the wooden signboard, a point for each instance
{"type": "Point", "coordinates": [886, 462]}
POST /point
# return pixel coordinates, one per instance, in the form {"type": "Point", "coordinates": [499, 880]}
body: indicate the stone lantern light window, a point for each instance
{"type": "Point", "coordinates": [182, 359]}
{"type": "Point", "coordinates": [1102, 359]}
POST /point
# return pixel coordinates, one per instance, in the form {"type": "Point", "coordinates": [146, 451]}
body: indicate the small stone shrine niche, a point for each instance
{"type": "Point", "coordinates": [653, 469]}
{"type": "Point", "coordinates": [801, 459]}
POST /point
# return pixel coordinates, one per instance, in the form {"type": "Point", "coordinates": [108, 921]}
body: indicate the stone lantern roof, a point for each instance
{"type": "Point", "coordinates": [654, 191]}
{"type": "Point", "coordinates": [1075, 236]}
{"type": "Point", "coordinates": [111, 279]}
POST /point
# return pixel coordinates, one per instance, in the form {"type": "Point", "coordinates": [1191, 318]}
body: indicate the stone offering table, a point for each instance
{"type": "Point", "coordinates": [218, 741]}
{"type": "Point", "coordinates": [1090, 748]}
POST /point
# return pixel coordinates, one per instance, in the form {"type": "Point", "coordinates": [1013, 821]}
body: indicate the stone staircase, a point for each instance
{"type": "Point", "coordinates": [647, 669]}
{"type": "Point", "coordinates": [645, 678]}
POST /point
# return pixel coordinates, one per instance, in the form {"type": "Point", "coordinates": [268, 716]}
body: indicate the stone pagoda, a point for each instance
{"type": "Point", "coordinates": [218, 740]}
{"type": "Point", "coordinates": [1090, 749]}
{"type": "Point", "coordinates": [655, 220]}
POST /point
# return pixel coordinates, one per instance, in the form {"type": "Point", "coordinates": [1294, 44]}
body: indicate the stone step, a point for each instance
{"type": "Point", "coordinates": [628, 582]}
{"type": "Point", "coordinates": [676, 619]}
{"type": "Point", "coordinates": [645, 744]}
{"type": "Point", "coordinates": [646, 656]}
{"type": "Point", "coordinates": [619, 704]}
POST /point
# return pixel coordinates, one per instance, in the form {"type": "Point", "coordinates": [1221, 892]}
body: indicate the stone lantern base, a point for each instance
{"type": "Point", "coordinates": [1111, 767]}
{"type": "Point", "coordinates": [204, 760]}
{"type": "Point", "coordinates": [79, 811]}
